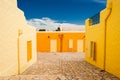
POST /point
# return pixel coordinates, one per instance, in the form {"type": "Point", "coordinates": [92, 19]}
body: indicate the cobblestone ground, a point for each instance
{"type": "Point", "coordinates": [62, 66]}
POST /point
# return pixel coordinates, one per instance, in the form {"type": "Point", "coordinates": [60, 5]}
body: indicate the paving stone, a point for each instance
{"type": "Point", "coordinates": [62, 66]}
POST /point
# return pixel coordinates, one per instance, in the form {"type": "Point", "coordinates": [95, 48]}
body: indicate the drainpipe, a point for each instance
{"type": "Point", "coordinates": [19, 34]}
{"type": "Point", "coordinates": [61, 41]}
{"type": "Point", "coordinates": [109, 8]}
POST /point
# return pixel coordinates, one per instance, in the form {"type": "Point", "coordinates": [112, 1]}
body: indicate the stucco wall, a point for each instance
{"type": "Point", "coordinates": [113, 39]}
{"type": "Point", "coordinates": [11, 21]}
{"type": "Point", "coordinates": [95, 33]}
{"type": "Point", "coordinates": [43, 41]}
{"type": "Point", "coordinates": [29, 34]}
{"type": "Point", "coordinates": [106, 36]}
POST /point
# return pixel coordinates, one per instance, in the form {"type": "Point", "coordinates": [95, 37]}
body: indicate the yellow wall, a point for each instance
{"type": "Point", "coordinates": [106, 36]}
{"type": "Point", "coordinates": [113, 40]}
{"type": "Point", "coordinates": [12, 21]}
{"type": "Point", "coordinates": [95, 33]}
{"type": "Point", "coordinates": [43, 41]}
{"type": "Point", "coordinates": [29, 34]}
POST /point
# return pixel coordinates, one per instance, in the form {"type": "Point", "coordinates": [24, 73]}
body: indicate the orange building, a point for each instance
{"type": "Point", "coordinates": [60, 41]}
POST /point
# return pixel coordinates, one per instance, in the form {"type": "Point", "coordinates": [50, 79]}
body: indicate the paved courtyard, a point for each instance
{"type": "Point", "coordinates": [62, 66]}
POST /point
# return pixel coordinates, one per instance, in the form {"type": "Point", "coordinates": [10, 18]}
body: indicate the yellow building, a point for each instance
{"type": "Point", "coordinates": [17, 40]}
{"type": "Point", "coordinates": [103, 39]}
{"type": "Point", "coordinates": [60, 41]}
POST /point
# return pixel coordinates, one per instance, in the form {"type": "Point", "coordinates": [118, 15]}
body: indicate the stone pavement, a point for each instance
{"type": "Point", "coordinates": [62, 66]}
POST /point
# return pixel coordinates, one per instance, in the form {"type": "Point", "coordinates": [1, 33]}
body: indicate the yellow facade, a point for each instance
{"type": "Point", "coordinates": [14, 35]}
{"type": "Point", "coordinates": [106, 39]}
{"type": "Point", "coordinates": [60, 41]}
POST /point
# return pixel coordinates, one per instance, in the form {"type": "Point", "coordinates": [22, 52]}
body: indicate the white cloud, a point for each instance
{"type": "Point", "coordinates": [72, 27]}
{"type": "Point", "coordinates": [52, 25]}
{"type": "Point", "coordinates": [100, 1]}
{"type": "Point", "coordinates": [44, 23]}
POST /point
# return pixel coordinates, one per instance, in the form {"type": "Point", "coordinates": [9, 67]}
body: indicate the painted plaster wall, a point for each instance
{"type": "Point", "coordinates": [106, 36]}
{"type": "Point", "coordinates": [12, 21]}
{"type": "Point", "coordinates": [43, 41]}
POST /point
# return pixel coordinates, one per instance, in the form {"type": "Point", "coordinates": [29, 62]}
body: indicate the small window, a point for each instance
{"type": "Point", "coordinates": [29, 50]}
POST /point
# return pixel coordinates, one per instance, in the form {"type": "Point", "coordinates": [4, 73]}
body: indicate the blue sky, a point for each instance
{"type": "Point", "coordinates": [69, 11]}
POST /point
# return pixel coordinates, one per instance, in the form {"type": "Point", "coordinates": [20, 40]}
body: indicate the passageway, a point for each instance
{"type": "Point", "coordinates": [65, 66]}
{"type": "Point", "coordinates": [62, 66]}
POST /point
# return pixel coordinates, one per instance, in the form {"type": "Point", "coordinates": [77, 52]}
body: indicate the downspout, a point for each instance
{"type": "Point", "coordinates": [61, 42]}
{"type": "Point", "coordinates": [19, 34]}
{"type": "Point", "coordinates": [61, 48]}
{"type": "Point", "coordinates": [109, 7]}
